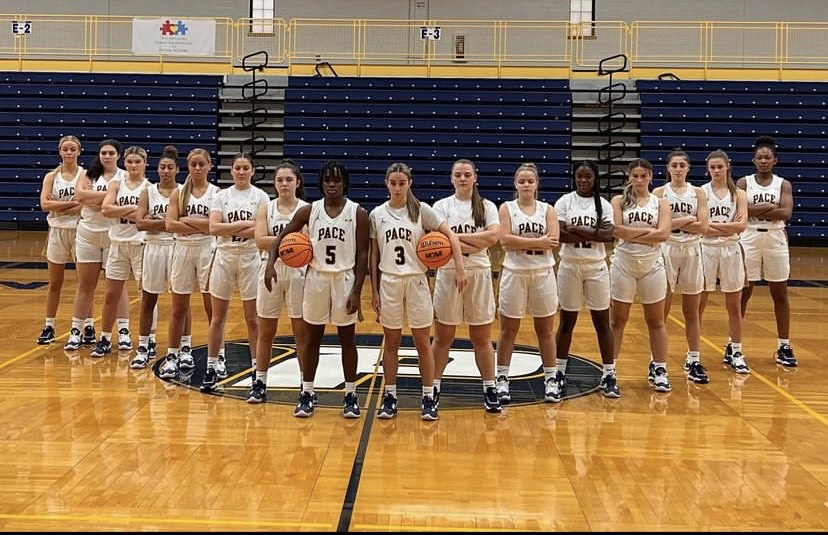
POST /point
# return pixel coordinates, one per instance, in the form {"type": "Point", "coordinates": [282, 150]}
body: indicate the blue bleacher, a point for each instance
{"type": "Point", "coordinates": [368, 123]}
{"type": "Point", "coordinates": [148, 110]}
{"type": "Point", "coordinates": [702, 116]}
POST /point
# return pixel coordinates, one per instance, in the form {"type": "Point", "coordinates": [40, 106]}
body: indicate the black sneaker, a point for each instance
{"type": "Point", "coordinates": [430, 411]}
{"type": "Point", "coordinates": [305, 406]}
{"type": "Point", "coordinates": [124, 341]}
{"type": "Point", "coordinates": [609, 386]}
{"type": "Point", "coordinates": [90, 337]}
{"type": "Point", "coordinates": [728, 355]}
{"type": "Point", "coordinates": [208, 384]}
{"type": "Point", "coordinates": [103, 347]}
{"type": "Point", "coordinates": [490, 401]}
{"type": "Point", "coordinates": [258, 394]}
{"type": "Point", "coordinates": [502, 389]}
{"type": "Point", "coordinates": [350, 407]}
{"type": "Point", "coordinates": [389, 407]}
{"type": "Point", "coordinates": [697, 373]}
{"type": "Point", "coordinates": [47, 335]}
{"type": "Point", "coordinates": [152, 349]}
{"type": "Point", "coordinates": [784, 355]}
{"type": "Point", "coordinates": [561, 378]}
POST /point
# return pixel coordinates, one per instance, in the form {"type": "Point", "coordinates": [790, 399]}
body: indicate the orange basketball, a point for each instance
{"type": "Point", "coordinates": [434, 249]}
{"type": "Point", "coordinates": [296, 250]}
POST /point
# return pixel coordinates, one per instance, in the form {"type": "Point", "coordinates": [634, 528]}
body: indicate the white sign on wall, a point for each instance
{"type": "Point", "coordinates": [174, 36]}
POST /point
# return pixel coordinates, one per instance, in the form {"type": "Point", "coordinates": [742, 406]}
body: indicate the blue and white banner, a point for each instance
{"type": "Point", "coordinates": [174, 36]}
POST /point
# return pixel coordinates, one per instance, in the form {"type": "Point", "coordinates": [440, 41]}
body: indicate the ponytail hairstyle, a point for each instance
{"type": "Point", "coordinates": [332, 169]}
{"type": "Point", "coordinates": [628, 200]}
{"type": "Point", "coordinates": [288, 164]}
{"type": "Point", "coordinates": [96, 167]}
{"type": "Point", "coordinates": [187, 188]}
{"type": "Point", "coordinates": [596, 189]}
{"type": "Point", "coordinates": [478, 209]}
{"type": "Point", "coordinates": [677, 152]}
{"type": "Point", "coordinates": [412, 204]}
{"type": "Point", "coordinates": [61, 141]}
{"type": "Point", "coordinates": [764, 141]}
{"type": "Point", "coordinates": [529, 166]}
{"type": "Point", "coordinates": [719, 153]}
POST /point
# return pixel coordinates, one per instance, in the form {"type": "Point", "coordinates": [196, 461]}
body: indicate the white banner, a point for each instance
{"type": "Point", "coordinates": [174, 36]}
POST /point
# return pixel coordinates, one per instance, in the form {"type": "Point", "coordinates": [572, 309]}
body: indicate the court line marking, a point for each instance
{"type": "Point", "coordinates": [108, 519]}
{"type": "Point", "coordinates": [761, 378]}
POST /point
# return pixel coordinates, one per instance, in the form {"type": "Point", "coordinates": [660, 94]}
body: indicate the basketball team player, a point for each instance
{"type": "Point", "coordinates": [287, 292]}
{"type": "Point", "coordinates": [57, 199]}
{"type": "Point", "coordinates": [529, 235]}
{"type": "Point", "coordinates": [721, 252]}
{"type": "Point", "coordinates": [236, 263]}
{"type": "Point", "coordinates": [475, 221]}
{"type": "Point", "coordinates": [338, 228]}
{"type": "Point", "coordinates": [642, 224]}
{"type": "Point", "coordinates": [188, 218]}
{"type": "Point", "coordinates": [399, 285]}
{"type": "Point", "coordinates": [765, 240]}
{"type": "Point", "coordinates": [586, 224]}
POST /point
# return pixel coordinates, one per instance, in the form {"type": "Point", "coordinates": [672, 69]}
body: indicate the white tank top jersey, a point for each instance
{"type": "Point", "coordinates": [157, 206]}
{"type": "Point", "coordinates": [198, 207]}
{"type": "Point", "coordinates": [277, 221]}
{"type": "Point", "coordinates": [640, 217]}
{"type": "Point", "coordinates": [64, 190]}
{"type": "Point", "coordinates": [238, 205]}
{"type": "Point", "coordinates": [719, 211]}
{"type": "Point", "coordinates": [124, 230]}
{"type": "Point", "coordinates": [577, 211]}
{"type": "Point", "coordinates": [92, 218]}
{"type": "Point", "coordinates": [528, 226]}
{"type": "Point", "coordinates": [758, 194]}
{"type": "Point", "coordinates": [333, 239]}
{"type": "Point", "coordinates": [458, 214]}
{"type": "Point", "coordinates": [397, 237]}
{"type": "Point", "coordinates": [681, 206]}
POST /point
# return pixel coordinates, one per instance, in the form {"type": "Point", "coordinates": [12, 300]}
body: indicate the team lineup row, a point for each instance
{"type": "Point", "coordinates": [173, 237]}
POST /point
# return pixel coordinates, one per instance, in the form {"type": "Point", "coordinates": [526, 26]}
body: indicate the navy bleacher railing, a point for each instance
{"type": "Point", "coordinates": [704, 116]}
{"type": "Point", "coordinates": [36, 109]}
{"type": "Point", "coordinates": [369, 123]}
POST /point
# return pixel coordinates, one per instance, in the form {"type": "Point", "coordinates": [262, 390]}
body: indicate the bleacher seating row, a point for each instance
{"type": "Point", "coordinates": [151, 111]}
{"type": "Point", "coordinates": [368, 123]}
{"type": "Point", "coordinates": [704, 116]}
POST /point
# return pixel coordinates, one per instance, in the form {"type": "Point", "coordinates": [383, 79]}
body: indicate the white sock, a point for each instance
{"type": "Point", "coordinates": [782, 341]}
{"type": "Point", "coordinates": [549, 371]}
{"type": "Point", "coordinates": [503, 370]}
{"type": "Point", "coordinates": [608, 369]}
{"type": "Point", "coordinates": [186, 340]}
{"type": "Point", "coordinates": [261, 376]}
{"type": "Point", "coordinates": [561, 365]}
{"type": "Point", "coordinates": [50, 322]}
{"type": "Point", "coordinates": [428, 391]}
{"type": "Point", "coordinates": [350, 388]}
{"type": "Point", "coordinates": [693, 356]}
{"type": "Point", "coordinates": [391, 389]}
{"type": "Point", "coordinates": [123, 323]}
{"type": "Point", "coordinates": [307, 386]}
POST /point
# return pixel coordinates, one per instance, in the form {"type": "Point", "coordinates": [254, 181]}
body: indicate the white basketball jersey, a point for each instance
{"type": "Point", "coordinates": [64, 190]}
{"type": "Point", "coordinates": [458, 214]}
{"type": "Point", "coordinates": [528, 226]}
{"type": "Point", "coordinates": [238, 205]}
{"type": "Point", "coordinates": [577, 211]}
{"type": "Point", "coordinates": [333, 238]}
{"type": "Point", "coordinates": [277, 221]}
{"type": "Point", "coordinates": [759, 194]}
{"type": "Point", "coordinates": [680, 206]}
{"type": "Point", "coordinates": [157, 206]}
{"type": "Point", "coordinates": [397, 236]}
{"type": "Point", "coordinates": [92, 218]}
{"type": "Point", "coordinates": [125, 230]}
{"type": "Point", "coordinates": [719, 211]}
{"type": "Point", "coordinates": [198, 207]}
{"type": "Point", "coordinates": [636, 216]}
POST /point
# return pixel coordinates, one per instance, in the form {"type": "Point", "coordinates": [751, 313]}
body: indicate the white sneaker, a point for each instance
{"type": "Point", "coordinates": [74, 341]}
{"type": "Point", "coordinates": [221, 367]}
{"type": "Point", "coordinates": [502, 389]}
{"type": "Point", "coordinates": [124, 342]}
{"type": "Point", "coordinates": [185, 359]}
{"type": "Point", "coordinates": [170, 368]}
{"type": "Point", "coordinates": [552, 391]}
{"type": "Point", "coordinates": [141, 359]}
{"type": "Point", "coordinates": [739, 364]}
{"type": "Point", "coordinates": [660, 382]}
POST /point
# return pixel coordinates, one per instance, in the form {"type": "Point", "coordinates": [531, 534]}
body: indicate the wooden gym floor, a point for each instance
{"type": "Point", "coordinates": [93, 445]}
